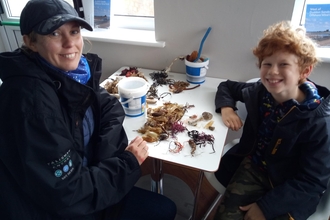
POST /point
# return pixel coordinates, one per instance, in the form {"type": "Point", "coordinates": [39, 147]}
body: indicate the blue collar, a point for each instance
{"type": "Point", "coordinates": [82, 74]}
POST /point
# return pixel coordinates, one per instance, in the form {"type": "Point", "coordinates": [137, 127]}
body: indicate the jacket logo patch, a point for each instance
{"type": "Point", "coordinates": [62, 166]}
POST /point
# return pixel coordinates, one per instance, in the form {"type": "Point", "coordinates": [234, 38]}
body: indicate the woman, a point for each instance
{"type": "Point", "coordinates": [63, 151]}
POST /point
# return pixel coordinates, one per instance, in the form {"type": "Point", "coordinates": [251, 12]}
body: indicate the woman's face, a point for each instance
{"type": "Point", "coordinates": [62, 48]}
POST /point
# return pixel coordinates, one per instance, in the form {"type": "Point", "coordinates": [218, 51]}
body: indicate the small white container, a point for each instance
{"type": "Point", "coordinates": [132, 92]}
{"type": "Point", "coordinates": [196, 68]}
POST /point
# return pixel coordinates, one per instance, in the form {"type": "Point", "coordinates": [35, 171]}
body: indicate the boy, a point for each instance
{"type": "Point", "coordinates": [280, 168]}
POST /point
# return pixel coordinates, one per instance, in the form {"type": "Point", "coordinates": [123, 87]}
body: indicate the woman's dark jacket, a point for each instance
{"type": "Point", "coordinates": [42, 144]}
{"type": "Point", "coordinates": [298, 155]}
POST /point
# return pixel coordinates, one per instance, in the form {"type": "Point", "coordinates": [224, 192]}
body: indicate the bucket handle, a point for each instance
{"type": "Point", "coordinates": [130, 99]}
{"type": "Point", "coordinates": [206, 67]}
{"type": "Point", "coordinates": [127, 101]}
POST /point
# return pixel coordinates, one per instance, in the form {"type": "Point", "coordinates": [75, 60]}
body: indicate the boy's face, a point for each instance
{"type": "Point", "coordinates": [280, 74]}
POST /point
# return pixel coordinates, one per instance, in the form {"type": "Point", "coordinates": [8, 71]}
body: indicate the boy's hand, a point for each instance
{"type": "Point", "coordinates": [231, 119]}
{"type": "Point", "coordinates": [253, 212]}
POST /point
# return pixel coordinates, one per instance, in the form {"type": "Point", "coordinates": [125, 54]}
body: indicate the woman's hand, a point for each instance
{"type": "Point", "coordinates": [231, 119]}
{"type": "Point", "coordinates": [253, 212]}
{"type": "Point", "coordinates": [139, 148]}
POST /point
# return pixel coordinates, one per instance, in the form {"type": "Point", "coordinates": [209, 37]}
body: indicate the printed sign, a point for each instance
{"type": "Point", "coordinates": [102, 13]}
{"type": "Point", "coordinates": [317, 23]}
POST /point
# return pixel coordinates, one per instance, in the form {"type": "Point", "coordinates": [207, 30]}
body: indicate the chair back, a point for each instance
{"type": "Point", "coordinates": [323, 208]}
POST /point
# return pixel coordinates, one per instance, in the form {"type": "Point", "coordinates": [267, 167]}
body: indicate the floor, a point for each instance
{"type": "Point", "coordinates": [175, 189]}
{"type": "Point", "coordinates": [179, 184]}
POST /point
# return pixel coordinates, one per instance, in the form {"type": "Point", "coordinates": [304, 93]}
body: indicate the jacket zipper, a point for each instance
{"type": "Point", "coordinates": [278, 142]}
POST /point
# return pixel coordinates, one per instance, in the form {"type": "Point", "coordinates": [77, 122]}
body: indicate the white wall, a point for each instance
{"type": "Point", "coordinates": [236, 27]}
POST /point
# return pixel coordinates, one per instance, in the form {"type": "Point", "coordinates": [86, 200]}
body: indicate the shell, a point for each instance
{"type": "Point", "coordinates": [207, 116]}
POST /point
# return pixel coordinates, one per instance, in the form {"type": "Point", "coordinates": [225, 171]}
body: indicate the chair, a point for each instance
{"type": "Point", "coordinates": [215, 183]}
{"type": "Point", "coordinates": [323, 209]}
{"type": "Point", "coordinates": [241, 111]}
{"type": "Point", "coordinates": [211, 177]}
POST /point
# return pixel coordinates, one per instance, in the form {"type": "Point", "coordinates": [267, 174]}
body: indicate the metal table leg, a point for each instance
{"type": "Point", "coordinates": [157, 176]}
{"type": "Point", "coordinates": [157, 183]}
{"type": "Point", "coordinates": [197, 192]}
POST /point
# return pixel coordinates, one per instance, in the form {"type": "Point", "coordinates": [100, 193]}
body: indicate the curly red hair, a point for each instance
{"type": "Point", "coordinates": [283, 37]}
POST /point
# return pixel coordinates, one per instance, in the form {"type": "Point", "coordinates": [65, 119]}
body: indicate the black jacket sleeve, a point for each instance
{"type": "Point", "coordinates": [228, 93]}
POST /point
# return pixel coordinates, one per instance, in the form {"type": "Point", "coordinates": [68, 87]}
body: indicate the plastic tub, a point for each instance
{"type": "Point", "coordinates": [132, 92]}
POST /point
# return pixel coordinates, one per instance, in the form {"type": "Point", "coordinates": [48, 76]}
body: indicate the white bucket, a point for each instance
{"type": "Point", "coordinates": [132, 92]}
{"type": "Point", "coordinates": [196, 68]}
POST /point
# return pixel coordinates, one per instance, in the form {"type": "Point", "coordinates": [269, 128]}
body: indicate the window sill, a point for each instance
{"type": "Point", "coordinates": [123, 36]}
{"type": "Point", "coordinates": [323, 54]}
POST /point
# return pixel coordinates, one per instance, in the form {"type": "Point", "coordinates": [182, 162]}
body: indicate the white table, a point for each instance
{"type": "Point", "coordinates": [203, 100]}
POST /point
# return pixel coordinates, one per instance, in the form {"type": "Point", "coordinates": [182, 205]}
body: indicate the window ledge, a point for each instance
{"type": "Point", "coordinates": [123, 36]}
{"type": "Point", "coordinates": [323, 54]}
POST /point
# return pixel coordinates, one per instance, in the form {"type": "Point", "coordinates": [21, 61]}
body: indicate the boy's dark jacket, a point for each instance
{"type": "Point", "coordinates": [41, 143]}
{"type": "Point", "coordinates": [298, 156]}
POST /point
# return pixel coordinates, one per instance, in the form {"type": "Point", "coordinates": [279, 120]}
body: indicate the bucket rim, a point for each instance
{"type": "Point", "coordinates": [128, 79]}
{"type": "Point", "coordinates": [131, 78]}
{"type": "Point", "coordinates": [140, 91]}
{"type": "Point", "coordinates": [196, 64]}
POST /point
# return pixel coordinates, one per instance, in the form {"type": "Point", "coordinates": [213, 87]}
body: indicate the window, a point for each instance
{"type": "Point", "coordinates": [14, 7]}
{"type": "Point", "coordinates": [10, 32]}
{"type": "Point", "coordinates": [129, 14]}
{"type": "Point", "coordinates": [314, 15]}
{"type": "Point", "coordinates": [126, 15]}
{"type": "Point", "coordinates": [134, 14]}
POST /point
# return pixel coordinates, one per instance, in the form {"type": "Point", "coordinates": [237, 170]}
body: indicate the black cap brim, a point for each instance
{"type": "Point", "coordinates": [53, 23]}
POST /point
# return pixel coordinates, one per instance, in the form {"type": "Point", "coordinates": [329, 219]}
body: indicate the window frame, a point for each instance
{"type": "Point", "coordinates": [132, 30]}
{"type": "Point", "coordinates": [142, 33]}
{"type": "Point", "coordinates": [297, 15]}
{"type": "Point", "coordinates": [10, 35]}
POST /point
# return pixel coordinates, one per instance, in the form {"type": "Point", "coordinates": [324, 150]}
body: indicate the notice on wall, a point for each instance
{"type": "Point", "coordinates": [317, 22]}
{"type": "Point", "coordinates": [102, 13]}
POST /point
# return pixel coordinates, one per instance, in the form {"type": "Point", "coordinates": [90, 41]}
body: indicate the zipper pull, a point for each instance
{"type": "Point", "coordinates": [290, 217]}
{"type": "Point", "coordinates": [278, 142]}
